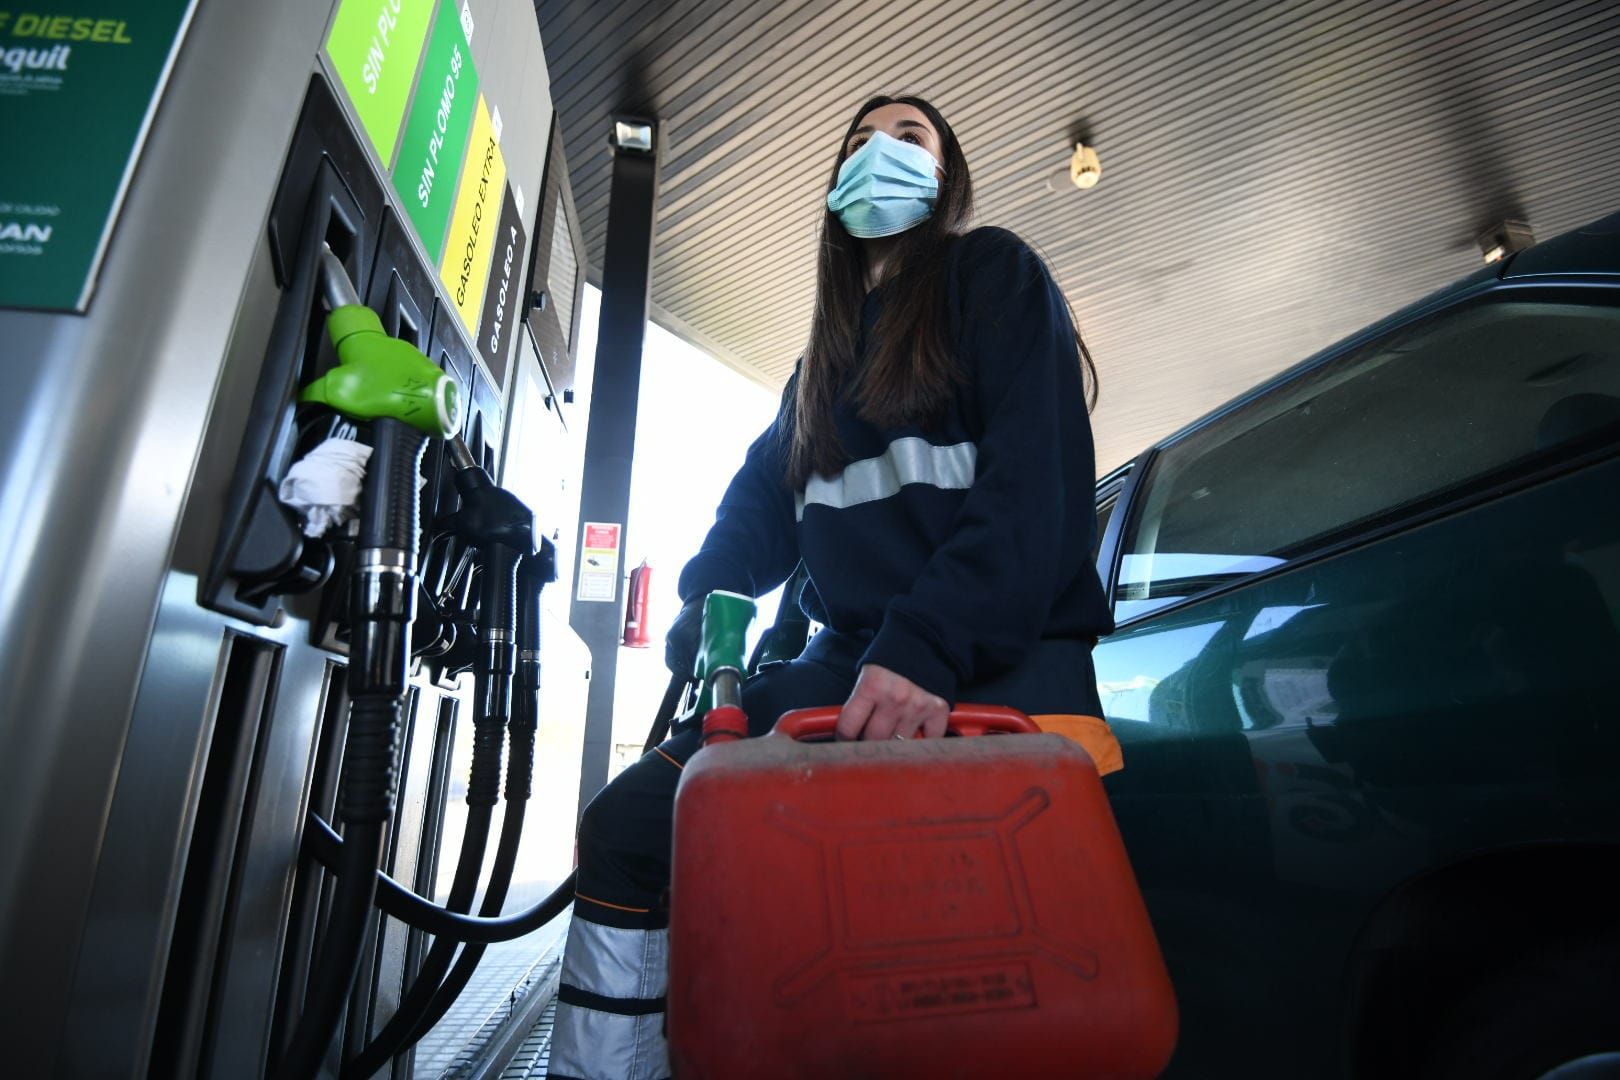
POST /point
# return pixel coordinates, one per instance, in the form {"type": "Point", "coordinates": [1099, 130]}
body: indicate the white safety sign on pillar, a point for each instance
{"type": "Point", "coordinates": [599, 562]}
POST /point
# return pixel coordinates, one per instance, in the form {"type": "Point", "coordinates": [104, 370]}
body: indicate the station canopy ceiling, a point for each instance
{"type": "Point", "coordinates": [1274, 175]}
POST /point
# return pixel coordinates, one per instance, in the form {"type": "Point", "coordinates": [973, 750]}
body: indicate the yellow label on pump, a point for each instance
{"type": "Point", "coordinates": [471, 244]}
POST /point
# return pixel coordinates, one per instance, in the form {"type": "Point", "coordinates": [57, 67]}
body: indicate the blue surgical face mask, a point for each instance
{"type": "Point", "coordinates": [884, 188]}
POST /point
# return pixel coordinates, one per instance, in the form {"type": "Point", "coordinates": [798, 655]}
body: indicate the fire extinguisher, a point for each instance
{"type": "Point", "coordinates": [635, 607]}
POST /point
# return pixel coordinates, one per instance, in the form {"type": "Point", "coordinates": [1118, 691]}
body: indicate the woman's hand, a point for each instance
{"type": "Point", "coordinates": [885, 705]}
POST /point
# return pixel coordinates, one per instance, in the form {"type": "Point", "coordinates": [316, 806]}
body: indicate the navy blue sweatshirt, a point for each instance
{"type": "Point", "coordinates": [952, 548]}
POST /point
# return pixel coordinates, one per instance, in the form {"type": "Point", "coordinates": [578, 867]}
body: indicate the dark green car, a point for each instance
{"type": "Point", "coordinates": [1367, 681]}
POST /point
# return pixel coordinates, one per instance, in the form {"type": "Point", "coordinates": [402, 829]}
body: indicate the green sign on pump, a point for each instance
{"type": "Point", "coordinates": [435, 137]}
{"type": "Point", "coordinates": [373, 48]}
{"type": "Point", "coordinates": [78, 89]}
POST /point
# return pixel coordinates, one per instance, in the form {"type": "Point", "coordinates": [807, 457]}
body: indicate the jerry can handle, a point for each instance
{"type": "Point", "coordinates": [965, 720]}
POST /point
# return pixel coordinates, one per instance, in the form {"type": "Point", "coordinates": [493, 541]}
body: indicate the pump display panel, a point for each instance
{"type": "Point", "coordinates": [557, 275]}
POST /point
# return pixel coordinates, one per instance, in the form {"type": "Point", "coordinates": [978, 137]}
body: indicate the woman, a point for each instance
{"type": "Point", "coordinates": [932, 466]}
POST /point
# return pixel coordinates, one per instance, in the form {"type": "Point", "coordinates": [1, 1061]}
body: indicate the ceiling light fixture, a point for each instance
{"type": "Point", "coordinates": [1504, 239]}
{"type": "Point", "coordinates": [1084, 168]}
{"type": "Point", "coordinates": [632, 134]}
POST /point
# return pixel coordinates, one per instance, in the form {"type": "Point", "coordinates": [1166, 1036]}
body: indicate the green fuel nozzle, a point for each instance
{"type": "Point", "coordinates": [377, 375]}
{"type": "Point", "coordinates": [720, 659]}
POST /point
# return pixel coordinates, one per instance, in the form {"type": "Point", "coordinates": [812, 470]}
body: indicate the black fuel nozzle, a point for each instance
{"type": "Point", "coordinates": [382, 602]}
{"type": "Point", "coordinates": [488, 514]}
{"type": "Point", "coordinates": [501, 528]}
{"type": "Point", "coordinates": [496, 664]}
{"type": "Point", "coordinates": [543, 567]}
{"type": "Point", "coordinates": [539, 569]}
{"type": "Point", "coordinates": [461, 455]}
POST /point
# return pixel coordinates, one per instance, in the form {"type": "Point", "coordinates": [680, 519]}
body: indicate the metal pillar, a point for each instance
{"type": "Point", "coordinates": [611, 434]}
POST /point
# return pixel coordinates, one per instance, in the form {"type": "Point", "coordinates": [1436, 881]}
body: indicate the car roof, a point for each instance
{"type": "Point", "coordinates": [1591, 250]}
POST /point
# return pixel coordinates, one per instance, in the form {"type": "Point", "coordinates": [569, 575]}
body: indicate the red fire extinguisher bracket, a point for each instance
{"type": "Point", "coordinates": [635, 607]}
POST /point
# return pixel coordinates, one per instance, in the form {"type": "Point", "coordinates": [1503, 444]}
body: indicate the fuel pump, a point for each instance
{"type": "Point", "coordinates": [501, 529]}
{"type": "Point", "coordinates": [404, 397]}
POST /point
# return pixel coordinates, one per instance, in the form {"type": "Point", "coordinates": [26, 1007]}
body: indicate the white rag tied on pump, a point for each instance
{"type": "Point", "coordinates": [324, 487]}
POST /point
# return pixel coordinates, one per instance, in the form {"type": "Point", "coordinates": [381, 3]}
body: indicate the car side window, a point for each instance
{"type": "Point", "coordinates": [1109, 492]}
{"type": "Point", "coordinates": [1105, 510]}
{"type": "Point", "coordinates": [1433, 410]}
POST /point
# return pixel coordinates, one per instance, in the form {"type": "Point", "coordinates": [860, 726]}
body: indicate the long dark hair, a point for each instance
{"type": "Point", "coordinates": [913, 372]}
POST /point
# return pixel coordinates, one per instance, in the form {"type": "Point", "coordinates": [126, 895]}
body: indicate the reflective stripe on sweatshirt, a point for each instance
{"type": "Point", "coordinates": [907, 461]}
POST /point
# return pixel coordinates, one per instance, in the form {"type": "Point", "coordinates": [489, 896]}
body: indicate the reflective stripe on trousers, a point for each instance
{"type": "Point", "coordinates": [610, 1010]}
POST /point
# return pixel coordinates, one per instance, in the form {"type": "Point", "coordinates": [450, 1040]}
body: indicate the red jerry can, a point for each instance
{"type": "Point", "coordinates": [956, 907]}
{"type": "Point", "coordinates": [635, 607]}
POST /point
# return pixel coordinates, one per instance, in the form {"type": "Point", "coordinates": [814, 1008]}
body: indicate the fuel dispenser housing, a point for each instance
{"type": "Point", "coordinates": [175, 646]}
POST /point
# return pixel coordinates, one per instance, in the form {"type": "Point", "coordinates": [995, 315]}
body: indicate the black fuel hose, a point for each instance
{"type": "Point", "coordinates": [325, 846]}
{"type": "Point", "coordinates": [467, 962]}
{"type": "Point", "coordinates": [537, 570]}
{"type": "Point", "coordinates": [497, 655]}
{"type": "Point", "coordinates": [381, 603]}
{"type": "Point", "coordinates": [440, 999]}
{"type": "Point", "coordinates": [427, 1001]}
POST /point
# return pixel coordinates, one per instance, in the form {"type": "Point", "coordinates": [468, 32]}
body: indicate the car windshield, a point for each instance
{"type": "Point", "coordinates": [1440, 406]}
